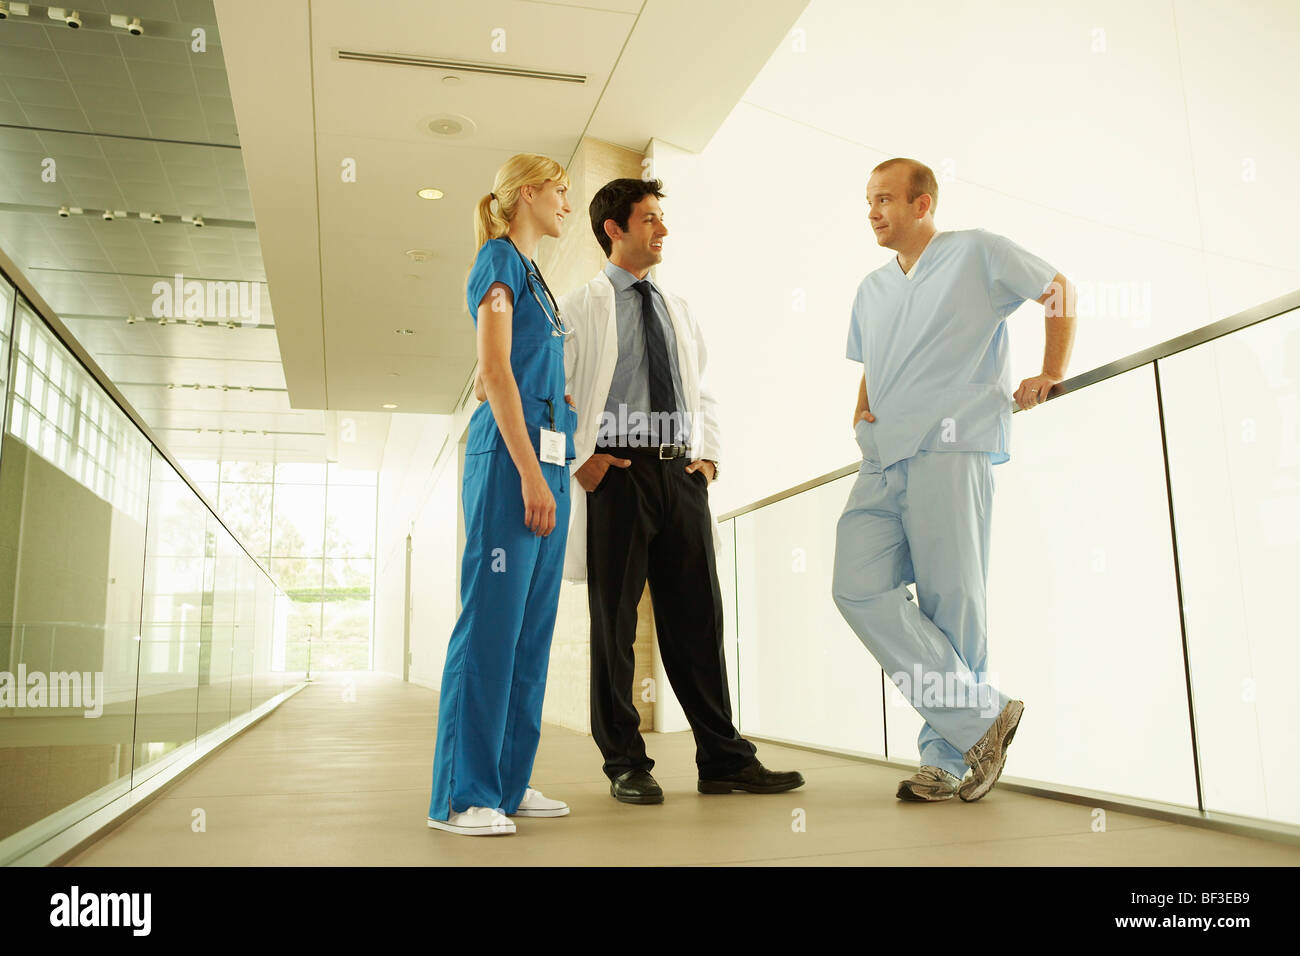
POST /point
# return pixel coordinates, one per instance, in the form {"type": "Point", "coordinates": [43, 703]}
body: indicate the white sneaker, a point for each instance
{"type": "Point", "coordinates": [536, 805]}
{"type": "Point", "coordinates": [476, 821]}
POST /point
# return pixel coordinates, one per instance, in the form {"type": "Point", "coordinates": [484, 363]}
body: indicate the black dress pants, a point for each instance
{"type": "Point", "coordinates": [652, 520]}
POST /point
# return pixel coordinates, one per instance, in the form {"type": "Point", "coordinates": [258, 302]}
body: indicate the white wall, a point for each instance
{"type": "Point", "coordinates": [1124, 157]}
{"type": "Point", "coordinates": [1148, 152]}
{"type": "Point", "coordinates": [421, 499]}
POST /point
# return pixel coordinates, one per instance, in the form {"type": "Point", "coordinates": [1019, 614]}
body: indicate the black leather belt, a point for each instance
{"type": "Point", "coordinates": [662, 452]}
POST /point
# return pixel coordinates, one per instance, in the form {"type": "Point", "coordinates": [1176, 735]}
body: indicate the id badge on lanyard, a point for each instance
{"type": "Point", "coordinates": [551, 446]}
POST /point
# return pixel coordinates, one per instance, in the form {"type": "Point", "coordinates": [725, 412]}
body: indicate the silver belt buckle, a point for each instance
{"type": "Point", "coordinates": [662, 456]}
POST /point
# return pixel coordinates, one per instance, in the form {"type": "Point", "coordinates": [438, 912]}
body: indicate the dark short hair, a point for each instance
{"type": "Point", "coordinates": [615, 200]}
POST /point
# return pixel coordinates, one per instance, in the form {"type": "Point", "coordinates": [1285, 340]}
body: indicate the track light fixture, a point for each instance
{"type": "Point", "coordinates": [72, 19]}
{"type": "Point", "coordinates": [131, 25]}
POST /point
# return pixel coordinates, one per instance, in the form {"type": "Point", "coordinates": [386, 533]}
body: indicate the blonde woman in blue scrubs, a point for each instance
{"type": "Point", "coordinates": [516, 499]}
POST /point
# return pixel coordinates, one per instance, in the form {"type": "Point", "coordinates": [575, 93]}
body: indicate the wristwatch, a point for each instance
{"type": "Point", "coordinates": [715, 467]}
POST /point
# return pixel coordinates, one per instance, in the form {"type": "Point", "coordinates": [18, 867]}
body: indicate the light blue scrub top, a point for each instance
{"type": "Point", "coordinates": [935, 346]}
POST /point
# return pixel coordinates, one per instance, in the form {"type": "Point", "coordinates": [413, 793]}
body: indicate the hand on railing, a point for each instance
{"type": "Point", "coordinates": [1033, 391]}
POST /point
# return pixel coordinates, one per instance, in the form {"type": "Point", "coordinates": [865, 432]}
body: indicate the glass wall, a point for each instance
{"type": "Point", "coordinates": [1084, 621]}
{"type": "Point", "coordinates": [131, 621]}
{"type": "Point", "coordinates": [6, 326]}
{"type": "Point", "coordinates": [313, 525]}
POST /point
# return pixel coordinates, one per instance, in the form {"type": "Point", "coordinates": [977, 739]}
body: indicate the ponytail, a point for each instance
{"type": "Point", "coordinates": [489, 224]}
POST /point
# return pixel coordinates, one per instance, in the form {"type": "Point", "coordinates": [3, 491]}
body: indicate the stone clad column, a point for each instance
{"type": "Point", "coordinates": [568, 263]}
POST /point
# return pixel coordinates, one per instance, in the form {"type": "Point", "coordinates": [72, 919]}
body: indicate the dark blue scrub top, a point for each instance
{"type": "Point", "coordinates": [536, 356]}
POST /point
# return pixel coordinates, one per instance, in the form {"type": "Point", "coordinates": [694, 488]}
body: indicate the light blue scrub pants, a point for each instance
{"type": "Point", "coordinates": [490, 708]}
{"type": "Point", "coordinates": [923, 520]}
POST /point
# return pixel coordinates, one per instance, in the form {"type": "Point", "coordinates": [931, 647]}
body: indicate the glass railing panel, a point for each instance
{"type": "Point", "coordinates": [217, 649]}
{"type": "Point", "coordinates": [1083, 607]}
{"type": "Point", "coordinates": [280, 643]}
{"type": "Point", "coordinates": [266, 682]}
{"type": "Point", "coordinates": [72, 544]}
{"type": "Point", "coordinates": [245, 625]}
{"type": "Point", "coordinates": [1232, 413]}
{"type": "Point", "coordinates": [726, 558]}
{"type": "Point", "coordinates": [174, 599]}
{"type": "Point", "coordinates": [803, 674]}
{"type": "Point", "coordinates": [109, 587]}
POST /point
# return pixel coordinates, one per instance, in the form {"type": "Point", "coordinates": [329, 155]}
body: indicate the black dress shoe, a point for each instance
{"type": "Point", "coordinates": [754, 779]}
{"type": "Point", "coordinates": [636, 786]}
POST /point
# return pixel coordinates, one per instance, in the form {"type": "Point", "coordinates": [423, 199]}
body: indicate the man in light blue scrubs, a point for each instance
{"type": "Point", "coordinates": [930, 330]}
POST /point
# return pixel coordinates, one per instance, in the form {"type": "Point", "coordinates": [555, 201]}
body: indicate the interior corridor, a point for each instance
{"type": "Point", "coordinates": [339, 775]}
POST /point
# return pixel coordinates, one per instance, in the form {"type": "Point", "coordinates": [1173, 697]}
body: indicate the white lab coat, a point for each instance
{"type": "Point", "coordinates": [590, 354]}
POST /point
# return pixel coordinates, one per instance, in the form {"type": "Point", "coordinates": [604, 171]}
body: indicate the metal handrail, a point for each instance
{"type": "Point", "coordinates": [1206, 333]}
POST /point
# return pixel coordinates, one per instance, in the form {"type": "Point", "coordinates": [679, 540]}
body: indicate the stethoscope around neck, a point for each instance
{"type": "Point", "coordinates": [552, 316]}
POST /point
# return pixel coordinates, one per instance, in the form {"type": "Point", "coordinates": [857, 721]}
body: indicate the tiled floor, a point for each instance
{"type": "Point", "coordinates": [327, 781]}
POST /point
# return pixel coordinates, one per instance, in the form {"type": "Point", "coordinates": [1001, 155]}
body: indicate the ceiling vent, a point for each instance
{"type": "Point", "coordinates": [464, 66]}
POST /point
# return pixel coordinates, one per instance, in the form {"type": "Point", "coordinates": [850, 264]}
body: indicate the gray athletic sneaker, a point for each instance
{"type": "Point", "coordinates": [928, 785]}
{"type": "Point", "coordinates": [989, 755]}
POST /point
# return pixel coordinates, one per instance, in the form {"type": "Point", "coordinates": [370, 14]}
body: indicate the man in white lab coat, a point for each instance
{"type": "Point", "coordinates": [647, 448]}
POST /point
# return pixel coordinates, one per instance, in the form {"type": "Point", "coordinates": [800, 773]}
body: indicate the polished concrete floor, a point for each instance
{"type": "Point", "coordinates": [328, 781]}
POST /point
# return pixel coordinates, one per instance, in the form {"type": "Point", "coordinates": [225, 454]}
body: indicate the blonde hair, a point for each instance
{"type": "Point", "coordinates": [523, 169]}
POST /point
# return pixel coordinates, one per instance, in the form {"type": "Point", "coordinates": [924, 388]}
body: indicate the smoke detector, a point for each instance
{"type": "Point", "coordinates": [449, 126]}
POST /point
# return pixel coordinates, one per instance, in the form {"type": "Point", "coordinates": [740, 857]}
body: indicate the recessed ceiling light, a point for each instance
{"type": "Point", "coordinates": [389, 405]}
{"type": "Point", "coordinates": [420, 255]}
{"type": "Point", "coordinates": [429, 193]}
